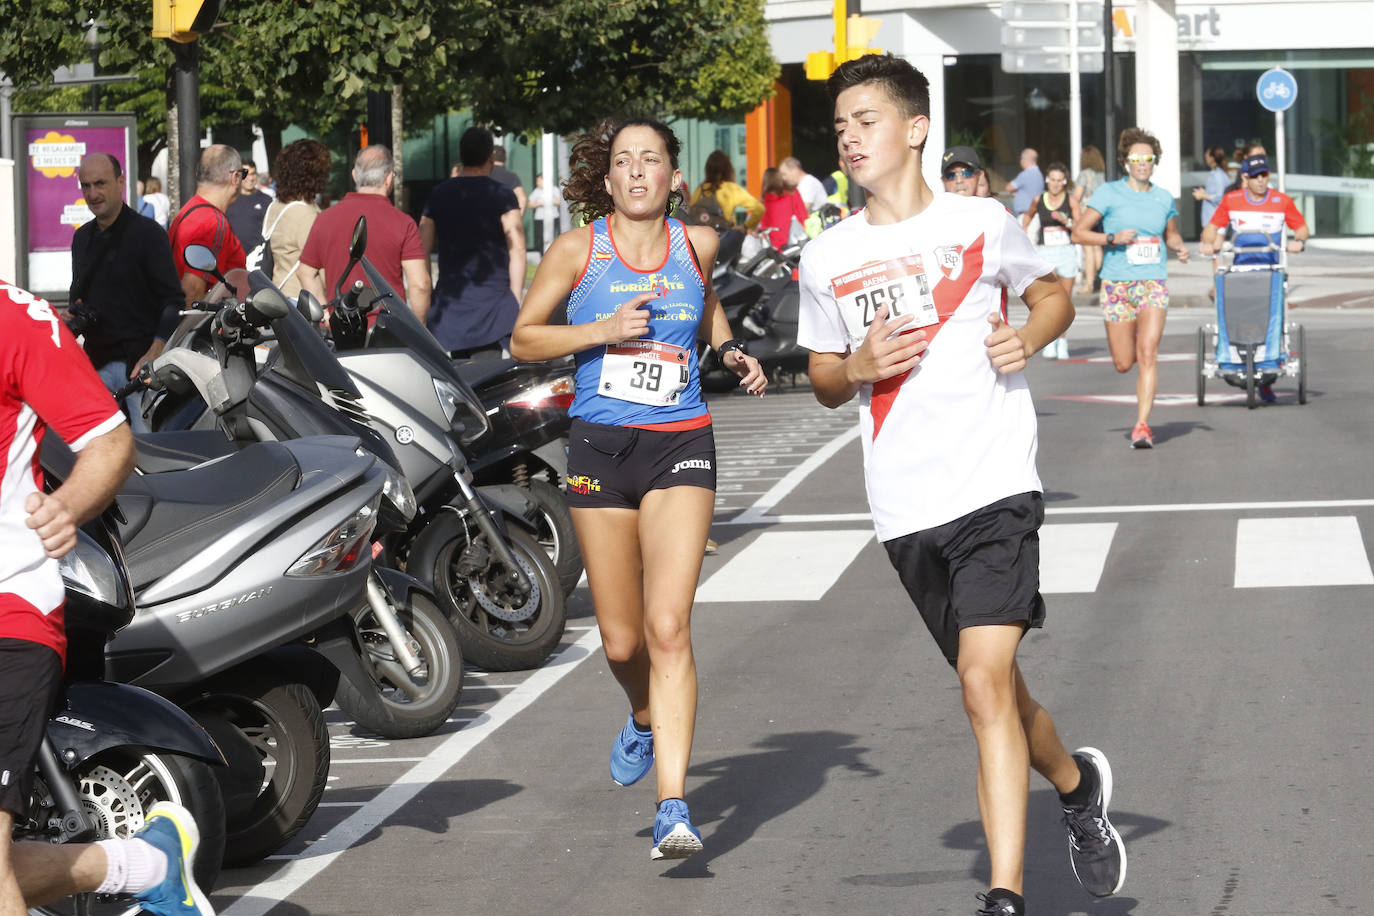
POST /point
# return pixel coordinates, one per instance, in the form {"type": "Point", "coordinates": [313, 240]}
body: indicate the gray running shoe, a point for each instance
{"type": "Point", "coordinates": [1096, 852]}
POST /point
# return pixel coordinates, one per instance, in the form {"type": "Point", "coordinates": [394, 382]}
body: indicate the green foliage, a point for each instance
{"type": "Point", "coordinates": [522, 65]}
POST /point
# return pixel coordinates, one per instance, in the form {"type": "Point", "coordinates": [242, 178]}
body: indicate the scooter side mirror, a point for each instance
{"type": "Point", "coordinates": [270, 304]}
{"type": "Point", "coordinates": [310, 307]}
{"type": "Point", "coordinates": [198, 257]}
{"type": "Point", "coordinates": [356, 249]}
{"type": "Point", "coordinates": [358, 246]}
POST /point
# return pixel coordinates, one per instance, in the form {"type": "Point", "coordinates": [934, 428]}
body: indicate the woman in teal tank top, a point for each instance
{"type": "Point", "coordinates": [641, 457]}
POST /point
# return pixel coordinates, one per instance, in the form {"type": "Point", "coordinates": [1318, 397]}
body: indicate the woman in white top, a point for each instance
{"type": "Point", "coordinates": [302, 172]}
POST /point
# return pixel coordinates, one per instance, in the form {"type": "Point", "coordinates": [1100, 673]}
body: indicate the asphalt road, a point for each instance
{"type": "Point", "coordinates": [1209, 622]}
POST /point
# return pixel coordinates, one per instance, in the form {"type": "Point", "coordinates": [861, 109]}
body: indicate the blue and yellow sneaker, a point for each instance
{"type": "Point", "coordinates": [674, 835]}
{"type": "Point", "coordinates": [632, 754]}
{"type": "Point", "coordinates": [170, 829]}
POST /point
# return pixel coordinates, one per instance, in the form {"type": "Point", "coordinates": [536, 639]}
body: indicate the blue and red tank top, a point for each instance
{"type": "Point", "coordinates": [607, 283]}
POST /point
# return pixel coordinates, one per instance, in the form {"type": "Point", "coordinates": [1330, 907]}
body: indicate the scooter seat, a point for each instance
{"type": "Point", "coordinates": [180, 450]}
{"type": "Point", "coordinates": [171, 518]}
{"type": "Point", "coordinates": [478, 372]}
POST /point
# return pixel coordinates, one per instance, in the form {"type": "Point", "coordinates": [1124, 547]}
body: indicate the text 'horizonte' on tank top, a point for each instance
{"type": "Point", "coordinates": [653, 380]}
{"type": "Point", "coordinates": [1052, 232]}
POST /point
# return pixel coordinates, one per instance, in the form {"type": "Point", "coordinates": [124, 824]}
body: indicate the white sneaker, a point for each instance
{"type": "Point", "coordinates": [1063, 348]}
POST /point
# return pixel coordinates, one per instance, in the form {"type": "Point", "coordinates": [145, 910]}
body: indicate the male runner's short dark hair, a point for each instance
{"type": "Point", "coordinates": [906, 86]}
{"type": "Point", "coordinates": [475, 146]}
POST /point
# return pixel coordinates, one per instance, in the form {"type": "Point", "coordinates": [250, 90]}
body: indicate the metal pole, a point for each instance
{"type": "Point", "coordinates": [1281, 141]}
{"type": "Point", "coordinates": [1075, 98]}
{"type": "Point", "coordinates": [550, 188]}
{"type": "Point", "coordinates": [187, 79]}
{"type": "Point", "coordinates": [1108, 92]}
{"type": "Point", "coordinates": [6, 90]}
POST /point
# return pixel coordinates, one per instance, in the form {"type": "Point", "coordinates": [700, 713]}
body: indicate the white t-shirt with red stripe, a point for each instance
{"type": "Point", "coordinates": [952, 435]}
{"type": "Point", "coordinates": [45, 381]}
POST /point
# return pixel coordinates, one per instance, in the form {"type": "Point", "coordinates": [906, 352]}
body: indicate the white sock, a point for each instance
{"type": "Point", "coordinates": [132, 866]}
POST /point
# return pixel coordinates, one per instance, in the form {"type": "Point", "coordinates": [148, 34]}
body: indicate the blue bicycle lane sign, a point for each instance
{"type": "Point", "coordinates": [1277, 89]}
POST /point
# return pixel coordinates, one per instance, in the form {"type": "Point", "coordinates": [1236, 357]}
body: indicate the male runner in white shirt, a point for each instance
{"type": "Point", "coordinates": [902, 304]}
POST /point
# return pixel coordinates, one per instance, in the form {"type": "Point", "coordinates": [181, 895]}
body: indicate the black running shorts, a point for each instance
{"type": "Point", "coordinates": [979, 570]}
{"type": "Point", "coordinates": [30, 677]}
{"type": "Point", "coordinates": [614, 466]}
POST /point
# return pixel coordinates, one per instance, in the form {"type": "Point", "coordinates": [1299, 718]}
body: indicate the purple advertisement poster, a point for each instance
{"type": "Point", "coordinates": [52, 149]}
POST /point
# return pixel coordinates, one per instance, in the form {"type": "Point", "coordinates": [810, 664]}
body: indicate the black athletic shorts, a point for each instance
{"type": "Point", "coordinates": [979, 570]}
{"type": "Point", "coordinates": [30, 680]}
{"type": "Point", "coordinates": [614, 466]}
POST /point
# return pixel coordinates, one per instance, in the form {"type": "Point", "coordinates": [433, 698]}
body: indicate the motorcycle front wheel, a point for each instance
{"type": "Point", "coordinates": [272, 732]}
{"type": "Point", "coordinates": [556, 534]}
{"type": "Point", "coordinates": [395, 703]}
{"type": "Point", "coordinates": [501, 626]}
{"type": "Point", "coordinates": [116, 788]}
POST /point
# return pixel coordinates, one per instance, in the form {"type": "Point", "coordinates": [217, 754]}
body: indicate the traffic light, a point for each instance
{"type": "Point", "coordinates": [852, 35]}
{"type": "Point", "coordinates": [184, 20]}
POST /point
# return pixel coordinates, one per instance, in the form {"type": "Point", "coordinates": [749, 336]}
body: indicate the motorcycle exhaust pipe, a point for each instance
{"type": "Point", "coordinates": [406, 649]}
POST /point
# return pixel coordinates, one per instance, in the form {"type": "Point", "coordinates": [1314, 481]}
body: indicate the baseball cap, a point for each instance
{"type": "Point", "coordinates": [1255, 164]}
{"type": "Point", "coordinates": [962, 154]}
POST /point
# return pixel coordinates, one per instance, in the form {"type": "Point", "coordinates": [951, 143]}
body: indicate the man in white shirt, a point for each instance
{"type": "Point", "coordinates": [810, 188]}
{"type": "Point", "coordinates": [902, 304]}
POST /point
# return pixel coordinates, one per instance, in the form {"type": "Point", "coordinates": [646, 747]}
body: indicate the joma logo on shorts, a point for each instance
{"type": "Point", "coordinates": [702, 463]}
{"type": "Point", "coordinates": [584, 485]}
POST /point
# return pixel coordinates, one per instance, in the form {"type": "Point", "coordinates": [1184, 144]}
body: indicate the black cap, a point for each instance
{"type": "Point", "coordinates": [962, 154]}
{"type": "Point", "coordinates": [1255, 165]}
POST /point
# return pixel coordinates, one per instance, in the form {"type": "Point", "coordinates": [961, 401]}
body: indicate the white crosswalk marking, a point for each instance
{"type": "Point", "coordinates": [1279, 552]}
{"type": "Point", "coordinates": [1072, 556]}
{"type": "Point", "coordinates": [785, 566]}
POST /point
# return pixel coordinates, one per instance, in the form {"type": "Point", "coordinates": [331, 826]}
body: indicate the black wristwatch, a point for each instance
{"type": "Point", "coordinates": [1111, 239]}
{"type": "Point", "coordinates": [734, 343]}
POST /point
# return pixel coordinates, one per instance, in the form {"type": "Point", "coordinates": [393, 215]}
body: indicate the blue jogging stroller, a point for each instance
{"type": "Point", "coordinates": [1252, 343]}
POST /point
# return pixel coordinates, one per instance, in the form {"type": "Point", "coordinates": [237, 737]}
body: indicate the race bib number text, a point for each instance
{"type": "Point", "coordinates": [900, 284]}
{"type": "Point", "coordinates": [1056, 236]}
{"type": "Point", "coordinates": [1142, 250]}
{"type": "Point", "coordinates": [644, 372]}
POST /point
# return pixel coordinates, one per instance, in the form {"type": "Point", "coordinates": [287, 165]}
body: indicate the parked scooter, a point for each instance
{"type": "Point", "coordinates": [527, 405]}
{"type": "Point", "coordinates": [410, 677]}
{"type": "Point", "coordinates": [113, 751]}
{"type": "Point", "coordinates": [474, 546]}
{"type": "Point", "coordinates": [762, 301]}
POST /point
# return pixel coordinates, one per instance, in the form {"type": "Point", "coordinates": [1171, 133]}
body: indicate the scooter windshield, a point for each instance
{"type": "Point", "coordinates": [400, 328]}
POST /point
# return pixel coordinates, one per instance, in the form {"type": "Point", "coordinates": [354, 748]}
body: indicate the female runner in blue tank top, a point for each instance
{"type": "Point", "coordinates": [641, 457]}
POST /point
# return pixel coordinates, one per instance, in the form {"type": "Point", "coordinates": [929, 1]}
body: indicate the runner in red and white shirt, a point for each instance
{"type": "Point", "coordinates": [902, 305]}
{"type": "Point", "coordinates": [47, 383]}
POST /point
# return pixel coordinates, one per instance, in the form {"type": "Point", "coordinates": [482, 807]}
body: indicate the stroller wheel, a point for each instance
{"type": "Point", "coordinates": [1300, 338]}
{"type": "Point", "coordinates": [1201, 363]}
{"type": "Point", "coordinates": [1251, 391]}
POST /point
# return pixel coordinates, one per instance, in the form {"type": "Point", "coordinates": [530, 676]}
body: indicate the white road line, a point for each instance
{"type": "Point", "coordinates": [1281, 552]}
{"type": "Point", "coordinates": [785, 566]}
{"type": "Point", "coordinates": [754, 516]}
{"type": "Point", "coordinates": [794, 477]}
{"type": "Point", "coordinates": [333, 760]}
{"type": "Point", "coordinates": [260, 898]}
{"type": "Point", "coordinates": [1072, 556]}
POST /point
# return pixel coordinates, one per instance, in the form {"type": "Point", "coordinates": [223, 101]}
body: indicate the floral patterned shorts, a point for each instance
{"type": "Point", "coordinates": [1124, 300]}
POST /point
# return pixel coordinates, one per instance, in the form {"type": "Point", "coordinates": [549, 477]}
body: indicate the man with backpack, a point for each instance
{"type": "Point", "coordinates": [202, 220]}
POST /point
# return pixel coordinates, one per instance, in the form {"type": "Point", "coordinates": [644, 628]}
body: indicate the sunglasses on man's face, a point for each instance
{"type": "Point", "coordinates": [243, 173]}
{"type": "Point", "coordinates": [959, 173]}
{"type": "Point", "coordinates": [1148, 159]}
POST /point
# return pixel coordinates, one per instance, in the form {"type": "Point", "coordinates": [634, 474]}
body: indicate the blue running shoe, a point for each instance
{"type": "Point", "coordinates": [632, 755]}
{"type": "Point", "coordinates": [674, 835]}
{"type": "Point", "coordinates": [170, 829]}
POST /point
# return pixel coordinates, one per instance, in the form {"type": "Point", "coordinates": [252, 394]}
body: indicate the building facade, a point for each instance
{"type": "Point", "coordinates": [1186, 71]}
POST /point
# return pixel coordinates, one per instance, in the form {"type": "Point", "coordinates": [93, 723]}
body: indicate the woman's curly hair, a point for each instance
{"type": "Point", "coordinates": [1129, 138]}
{"type": "Point", "coordinates": [301, 170]}
{"type": "Point", "coordinates": [590, 163]}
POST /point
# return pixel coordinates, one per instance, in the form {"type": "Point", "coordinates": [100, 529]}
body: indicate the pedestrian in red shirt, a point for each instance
{"type": "Point", "coordinates": [201, 220]}
{"type": "Point", "coordinates": [780, 205]}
